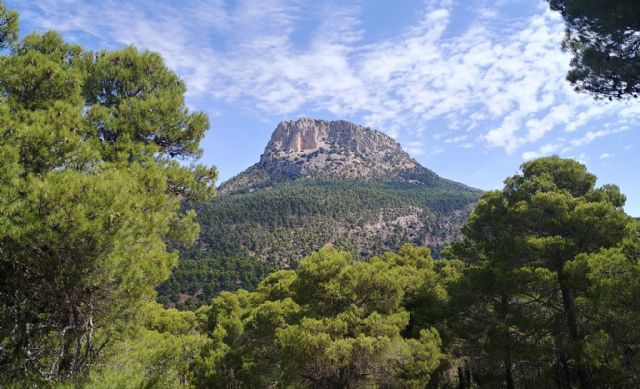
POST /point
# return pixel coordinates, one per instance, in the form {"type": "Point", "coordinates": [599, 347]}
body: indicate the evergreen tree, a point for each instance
{"type": "Point", "coordinates": [523, 245]}
{"type": "Point", "coordinates": [158, 350]}
{"type": "Point", "coordinates": [610, 291]}
{"type": "Point", "coordinates": [90, 192]}
{"type": "Point", "coordinates": [8, 27]}
{"type": "Point", "coordinates": [603, 37]}
{"type": "Point", "coordinates": [333, 323]}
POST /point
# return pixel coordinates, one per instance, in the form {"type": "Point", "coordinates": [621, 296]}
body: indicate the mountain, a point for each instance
{"type": "Point", "coordinates": [317, 182]}
{"type": "Point", "coordinates": [331, 150]}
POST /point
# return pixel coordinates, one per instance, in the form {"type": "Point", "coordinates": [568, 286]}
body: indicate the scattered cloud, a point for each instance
{"type": "Point", "coordinates": [415, 148]}
{"type": "Point", "coordinates": [547, 149]}
{"type": "Point", "coordinates": [590, 136]}
{"type": "Point", "coordinates": [457, 139]}
{"type": "Point", "coordinates": [504, 81]}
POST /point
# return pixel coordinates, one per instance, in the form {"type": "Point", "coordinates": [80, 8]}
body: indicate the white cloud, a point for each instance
{"type": "Point", "coordinates": [415, 148]}
{"type": "Point", "coordinates": [590, 136]}
{"type": "Point", "coordinates": [605, 156]}
{"type": "Point", "coordinates": [505, 81]}
{"type": "Point", "coordinates": [582, 158]}
{"type": "Point", "coordinates": [457, 139]}
{"type": "Point", "coordinates": [547, 149]}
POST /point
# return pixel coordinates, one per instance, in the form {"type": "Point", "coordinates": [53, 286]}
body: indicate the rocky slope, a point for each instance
{"type": "Point", "coordinates": [317, 182]}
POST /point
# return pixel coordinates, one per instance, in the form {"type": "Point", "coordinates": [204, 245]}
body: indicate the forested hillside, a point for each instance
{"type": "Point", "coordinates": [318, 182]}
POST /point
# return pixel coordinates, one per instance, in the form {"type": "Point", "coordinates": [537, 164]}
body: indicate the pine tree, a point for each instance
{"type": "Point", "coordinates": [332, 323]}
{"type": "Point", "coordinates": [519, 292]}
{"type": "Point", "coordinates": [603, 38]}
{"type": "Point", "coordinates": [90, 193]}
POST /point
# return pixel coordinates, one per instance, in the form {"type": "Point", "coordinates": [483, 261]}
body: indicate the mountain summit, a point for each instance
{"type": "Point", "coordinates": [331, 150]}
{"type": "Point", "coordinates": [317, 182]}
{"type": "Point", "coordinates": [338, 148]}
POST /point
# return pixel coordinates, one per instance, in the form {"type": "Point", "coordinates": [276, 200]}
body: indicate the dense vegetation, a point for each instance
{"type": "Point", "coordinates": [604, 38]}
{"type": "Point", "coordinates": [90, 192]}
{"type": "Point", "coordinates": [549, 283]}
{"type": "Point", "coordinates": [244, 235]}
{"type": "Point", "coordinates": [332, 323]}
{"type": "Point", "coordinates": [196, 281]}
{"type": "Point", "coordinates": [542, 290]}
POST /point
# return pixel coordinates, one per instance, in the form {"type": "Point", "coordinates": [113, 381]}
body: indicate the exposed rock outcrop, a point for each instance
{"type": "Point", "coordinates": [345, 149]}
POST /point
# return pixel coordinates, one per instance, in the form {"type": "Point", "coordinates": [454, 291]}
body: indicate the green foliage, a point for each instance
{"type": "Point", "coordinates": [331, 323]}
{"type": "Point", "coordinates": [137, 107]}
{"type": "Point", "coordinates": [609, 280]}
{"type": "Point", "coordinates": [539, 253]}
{"type": "Point", "coordinates": [196, 281]}
{"type": "Point", "coordinates": [603, 38]}
{"type": "Point", "coordinates": [246, 234]}
{"type": "Point", "coordinates": [156, 352]}
{"type": "Point", "coordinates": [8, 27]}
{"type": "Point", "coordinates": [89, 196]}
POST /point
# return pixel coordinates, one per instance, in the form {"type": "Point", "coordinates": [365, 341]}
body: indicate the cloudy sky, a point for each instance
{"type": "Point", "coordinates": [470, 88]}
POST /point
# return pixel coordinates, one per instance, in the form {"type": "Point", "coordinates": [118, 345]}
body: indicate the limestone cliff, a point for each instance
{"type": "Point", "coordinates": [347, 150]}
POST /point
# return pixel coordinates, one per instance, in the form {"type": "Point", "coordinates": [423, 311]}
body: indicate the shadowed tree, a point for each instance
{"type": "Point", "coordinates": [519, 303]}
{"type": "Point", "coordinates": [604, 38]}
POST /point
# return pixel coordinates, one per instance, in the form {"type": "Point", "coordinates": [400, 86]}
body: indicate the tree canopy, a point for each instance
{"type": "Point", "coordinates": [90, 194]}
{"type": "Point", "coordinates": [604, 38]}
{"type": "Point", "coordinates": [331, 323]}
{"type": "Point", "coordinates": [8, 27]}
{"type": "Point", "coordinates": [529, 308]}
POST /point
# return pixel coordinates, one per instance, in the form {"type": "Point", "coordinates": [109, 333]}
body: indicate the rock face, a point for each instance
{"type": "Point", "coordinates": [333, 150]}
{"type": "Point", "coordinates": [339, 148]}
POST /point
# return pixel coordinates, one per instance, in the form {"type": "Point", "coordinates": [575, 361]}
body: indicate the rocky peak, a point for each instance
{"type": "Point", "coordinates": [311, 148]}
{"type": "Point", "coordinates": [308, 135]}
{"type": "Point", "coordinates": [337, 148]}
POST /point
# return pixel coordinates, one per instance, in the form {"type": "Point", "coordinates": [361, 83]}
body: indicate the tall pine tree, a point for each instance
{"type": "Point", "coordinates": [90, 192]}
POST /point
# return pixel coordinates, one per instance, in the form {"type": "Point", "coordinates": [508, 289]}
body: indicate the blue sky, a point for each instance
{"type": "Point", "coordinates": [470, 88]}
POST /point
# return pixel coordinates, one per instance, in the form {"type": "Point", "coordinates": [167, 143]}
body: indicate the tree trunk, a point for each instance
{"type": "Point", "coordinates": [461, 378]}
{"type": "Point", "coordinates": [563, 374]}
{"type": "Point", "coordinates": [572, 325]}
{"type": "Point", "coordinates": [508, 366]}
{"type": "Point", "coordinates": [508, 375]}
{"type": "Point", "coordinates": [435, 380]}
